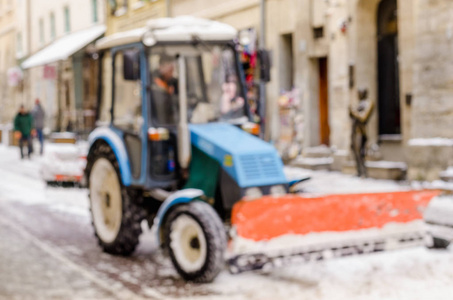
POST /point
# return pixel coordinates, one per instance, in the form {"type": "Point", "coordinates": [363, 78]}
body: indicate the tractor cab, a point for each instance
{"type": "Point", "coordinates": [173, 146]}
{"type": "Point", "coordinates": [164, 78]}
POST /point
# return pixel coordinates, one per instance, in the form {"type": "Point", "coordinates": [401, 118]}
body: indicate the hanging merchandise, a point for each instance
{"type": "Point", "coordinates": [248, 40]}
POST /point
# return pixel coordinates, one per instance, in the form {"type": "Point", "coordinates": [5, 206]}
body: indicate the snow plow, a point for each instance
{"type": "Point", "coordinates": [273, 231]}
{"type": "Point", "coordinates": [177, 152]}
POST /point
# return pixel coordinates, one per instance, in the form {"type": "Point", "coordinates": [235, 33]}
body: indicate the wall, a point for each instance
{"type": "Point", "coordinates": [432, 107]}
{"type": "Point", "coordinates": [8, 106]}
{"type": "Point", "coordinates": [51, 90]}
{"type": "Point", "coordinates": [136, 15]}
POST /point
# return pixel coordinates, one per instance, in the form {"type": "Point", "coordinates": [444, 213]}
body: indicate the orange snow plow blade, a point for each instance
{"type": "Point", "coordinates": [270, 217]}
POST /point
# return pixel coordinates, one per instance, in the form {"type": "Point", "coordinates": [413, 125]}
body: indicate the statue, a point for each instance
{"type": "Point", "coordinates": [360, 116]}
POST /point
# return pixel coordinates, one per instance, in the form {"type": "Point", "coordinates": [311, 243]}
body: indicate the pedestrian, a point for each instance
{"type": "Point", "coordinates": [38, 121]}
{"type": "Point", "coordinates": [360, 116]}
{"type": "Point", "coordinates": [23, 127]}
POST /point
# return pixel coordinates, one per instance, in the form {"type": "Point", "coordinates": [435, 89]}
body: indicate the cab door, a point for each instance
{"type": "Point", "coordinates": [129, 108]}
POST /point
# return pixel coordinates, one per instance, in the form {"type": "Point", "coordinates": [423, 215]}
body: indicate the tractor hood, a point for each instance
{"type": "Point", "coordinates": [247, 159]}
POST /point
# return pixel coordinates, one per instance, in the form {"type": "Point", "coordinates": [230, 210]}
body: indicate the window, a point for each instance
{"type": "Point", "coordinates": [52, 26]}
{"type": "Point", "coordinates": [67, 19]}
{"type": "Point", "coordinates": [19, 44]}
{"type": "Point", "coordinates": [41, 32]}
{"type": "Point", "coordinates": [94, 3]}
{"type": "Point", "coordinates": [213, 88]}
{"type": "Point", "coordinates": [118, 7]}
{"type": "Point", "coordinates": [127, 96]}
{"type": "Point", "coordinates": [318, 32]}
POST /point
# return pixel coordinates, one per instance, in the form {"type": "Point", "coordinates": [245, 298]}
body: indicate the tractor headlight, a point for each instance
{"type": "Point", "coordinates": [253, 193]}
{"type": "Point", "coordinates": [278, 190]}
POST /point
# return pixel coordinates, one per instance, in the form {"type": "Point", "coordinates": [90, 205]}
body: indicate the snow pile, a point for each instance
{"type": "Point", "coordinates": [313, 161]}
{"type": "Point", "coordinates": [447, 174]}
{"type": "Point", "coordinates": [440, 210]}
{"type": "Point", "coordinates": [386, 165]}
{"type": "Point", "coordinates": [324, 182]}
{"type": "Point", "coordinates": [436, 142]}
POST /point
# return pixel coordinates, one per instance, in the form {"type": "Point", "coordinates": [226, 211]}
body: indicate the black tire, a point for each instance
{"type": "Point", "coordinates": [211, 260]}
{"type": "Point", "coordinates": [439, 243]}
{"type": "Point", "coordinates": [127, 236]}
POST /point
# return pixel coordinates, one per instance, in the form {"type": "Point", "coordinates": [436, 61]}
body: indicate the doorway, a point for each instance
{"type": "Point", "coordinates": [388, 71]}
{"type": "Point", "coordinates": [323, 102]}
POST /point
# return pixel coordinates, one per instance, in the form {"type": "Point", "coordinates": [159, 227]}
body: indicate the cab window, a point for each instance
{"type": "Point", "coordinates": [127, 91]}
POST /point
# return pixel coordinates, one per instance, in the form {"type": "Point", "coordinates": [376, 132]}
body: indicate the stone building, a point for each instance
{"type": "Point", "coordinates": [122, 15]}
{"type": "Point", "coordinates": [61, 68]}
{"type": "Point", "coordinates": [399, 50]}
{"type": "Point", "coordinates": [13, 47]}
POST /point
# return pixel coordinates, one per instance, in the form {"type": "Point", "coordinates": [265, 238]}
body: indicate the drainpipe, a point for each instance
{"type": "Point", "coordinates": [26, 80]}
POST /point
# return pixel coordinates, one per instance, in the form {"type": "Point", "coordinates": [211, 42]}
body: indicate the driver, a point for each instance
{"type": "Point", "coordinates": [165, 91]}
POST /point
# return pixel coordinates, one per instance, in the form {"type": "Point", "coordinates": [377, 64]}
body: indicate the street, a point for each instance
{"type": "Point", "coordinates": [48, 251]}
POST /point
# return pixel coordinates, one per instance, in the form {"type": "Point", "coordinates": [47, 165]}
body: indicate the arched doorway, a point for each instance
{"type": "Point", "coordinates": [388, 71]}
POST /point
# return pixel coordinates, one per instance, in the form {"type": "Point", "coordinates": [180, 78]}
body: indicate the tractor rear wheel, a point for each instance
{"type": "Point", "coordinates": [115, 217]}
{"type": "Point", "coordinates": [196, 241]}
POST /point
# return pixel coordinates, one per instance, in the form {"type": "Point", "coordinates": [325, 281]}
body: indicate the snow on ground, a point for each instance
{"type": "Point", "coordinates": [324, 182]}
{"type": "Point", "coordinates": [22, 181]}
{"type": "Point", "coordinates": [436, 142]}
{"type": "Point", "coordinates": [404, 274]}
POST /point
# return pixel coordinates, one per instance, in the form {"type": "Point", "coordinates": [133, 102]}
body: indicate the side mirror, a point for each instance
{"type": "Point", "coordinates": [131, 64]}
{"type": "Point", "coordinates": [264, 57]}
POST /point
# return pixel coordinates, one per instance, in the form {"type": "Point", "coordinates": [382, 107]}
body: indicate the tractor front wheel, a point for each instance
{"type": "Point", "coordinates": [196, 241]}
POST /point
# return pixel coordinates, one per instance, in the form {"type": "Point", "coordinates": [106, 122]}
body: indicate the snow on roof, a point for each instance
{"type": "Point", "coordinates": [121, 38]}
{"type": "Point", "coordinates": [183, 28]}
{"type": "Point", "coordinates": [64, 47]}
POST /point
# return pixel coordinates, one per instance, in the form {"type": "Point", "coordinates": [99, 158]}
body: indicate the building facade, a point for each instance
{"type": "Point", "coordinates": [329, 49]}
{"type": "Point", "coordinates": [123, 15]}
{"type": "Point", "coordinates": [12, 49]}
{"type": "Point", "coordinates": [61, 70]}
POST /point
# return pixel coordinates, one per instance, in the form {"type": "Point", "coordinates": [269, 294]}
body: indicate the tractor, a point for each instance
{"type": "Point", "coordinates": [175, 145]}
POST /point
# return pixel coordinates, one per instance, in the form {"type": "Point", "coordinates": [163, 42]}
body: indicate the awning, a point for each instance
{"type": "Point", "coordinates": [64, 47]}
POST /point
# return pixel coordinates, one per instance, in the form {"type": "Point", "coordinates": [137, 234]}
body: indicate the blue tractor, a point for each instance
{"type": "Point", "coordinates": [174, 147]}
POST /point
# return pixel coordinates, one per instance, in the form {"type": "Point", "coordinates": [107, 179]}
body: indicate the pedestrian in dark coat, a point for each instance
{"type": "Point", "coordinates": [23, 127]}
{"type": "Point", "coordinates": [38, 119]}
